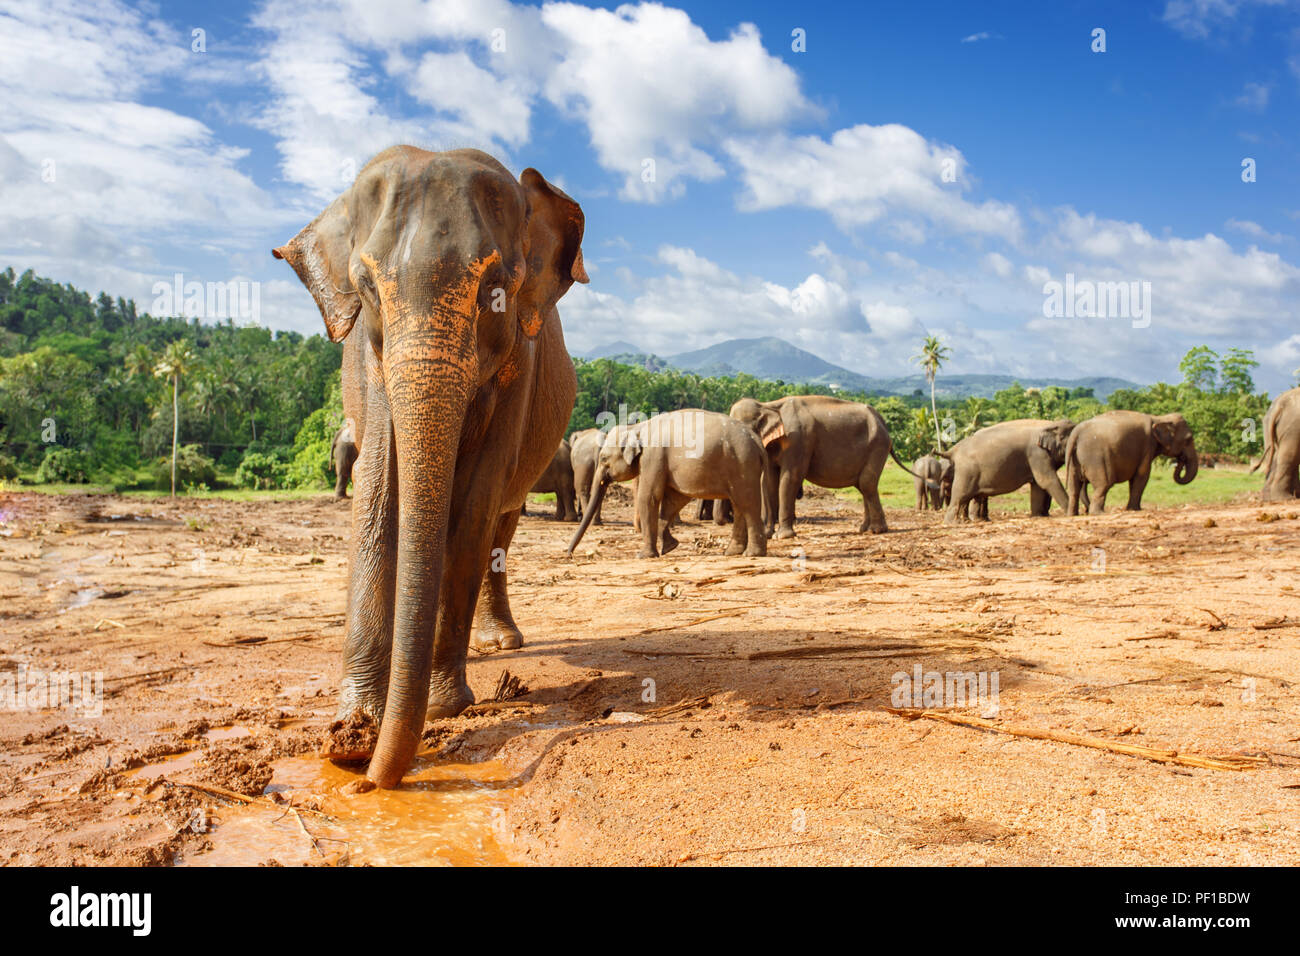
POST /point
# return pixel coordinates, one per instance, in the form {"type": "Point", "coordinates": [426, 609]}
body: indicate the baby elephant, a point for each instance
{"type": "Point", "coordinates": [558, 478]}
{"type": "Point", "coordinates": [933, 482]}
{"type": "Point", "coordinates": [999, 459]}
{"type": "Point", "coordinates": [678, 456]}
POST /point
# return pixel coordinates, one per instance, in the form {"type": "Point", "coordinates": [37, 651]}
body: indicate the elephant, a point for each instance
{"type": "Point", "coordinates": [1000, 458]}
{"type": "Point", "coordinates": [677, 456]}
{"type": "Point", "coordinates": [460, 386]}
{"type": "Point", "coordinates": [558, 478]}
{"type": "Point", "coordinates": [828, 441]}
{"type": "Point", "coordinates": [583, 447]}
{"type": "Point", "coordinates": [1281, 459]}
{"type": "Point", "coordinates": [933, 482]}
{"type": "Point", "coordinates": [1120, 446]}
{"type": "Point", "coordinates": [343, 453]}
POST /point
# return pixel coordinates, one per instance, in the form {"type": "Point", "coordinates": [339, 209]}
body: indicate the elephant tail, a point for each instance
{"type": "Point", "coordinates": [929, 482]}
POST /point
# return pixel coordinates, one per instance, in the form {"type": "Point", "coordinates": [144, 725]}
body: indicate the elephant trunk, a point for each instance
{"type": "Point", "coordinates": [592, 507]}
{"type": "Point", "coordinates": [428, 391]}
{"type": "Point", "coordinates": [1187, 466]}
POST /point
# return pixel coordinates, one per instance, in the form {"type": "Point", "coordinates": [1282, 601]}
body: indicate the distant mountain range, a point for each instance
{"type": "Point", "coordinates": [773, 358]}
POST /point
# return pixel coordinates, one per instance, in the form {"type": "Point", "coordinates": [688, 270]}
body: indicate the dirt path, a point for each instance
{"type": "Point", "coordinates": [692, 708]}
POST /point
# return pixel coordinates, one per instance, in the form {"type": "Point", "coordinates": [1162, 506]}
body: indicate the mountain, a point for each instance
{"type": "Point", "coordinates": [774, 358]}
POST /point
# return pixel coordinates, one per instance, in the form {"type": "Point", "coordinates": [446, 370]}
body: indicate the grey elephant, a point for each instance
{"type": "Point", "coordinates": [343, 455]}
{"type": "Point", "coordinates": [1001, 458]}
{"type": "Point", "coordinates": [1281, 459]}
{"type": "Point", "coordinates": [677, 456]}
{"type": "Point", "coordinates": [933, 482]}
{"type": "Point", "coordinates": [828, 441]}
{"type": "Point", "coordinates": [584, 446]}
{"type": "Point", "coordinates": [1120, 446]}
{"type": "Point", "coordinates": [558, 479]}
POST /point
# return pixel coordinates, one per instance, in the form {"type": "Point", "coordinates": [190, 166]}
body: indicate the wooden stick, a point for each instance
{"type": "Point", "coordinates": [1096, 743]}
{"type": "Point", "coordinates": [215, 791]}
{"type": "Point", "coordinates": [745, 849]}
{"type": "Point", "coordinates": [307, 833]}
{"type": "Point", "coordinates": [678, 627]}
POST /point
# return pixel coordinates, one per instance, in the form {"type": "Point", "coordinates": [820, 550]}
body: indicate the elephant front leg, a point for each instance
{"type": "Point", "coordinates": [372, 567]}
{"type": "Point", "coordinates": [1136, 486]}
{"type": "Point", "coordinates": [494, 624]}
{"type": "Point", "coordinates": [647, 514]}
{"type": "Point", "coordinates": [789, 489]}
{"type": "Point", "coordinates": [873, 512]}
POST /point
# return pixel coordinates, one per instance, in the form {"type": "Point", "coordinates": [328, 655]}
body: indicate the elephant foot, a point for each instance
{"type": "Point", "coordinates": [448, 699]}
{"type": "Point", "coordinates": [669, 543]}
{"type": "Point", "coordinates": [881, 528]}
{"type": "Point", "coordinates": [350, 738]}
{"type": "Point", "coordinates": [496, 636]}
{"type": "Point", "coordinates": [756, 551]}
{"type": "Point", "coordinates": [735, 548]}
{"type": "Point", "coordinates": [785, 531]}
{"type": "Point", "coordinates": [646, 553]}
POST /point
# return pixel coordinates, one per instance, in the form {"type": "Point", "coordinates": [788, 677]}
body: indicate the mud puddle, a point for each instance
{"type": "Point", "coordinates": [442, 815]}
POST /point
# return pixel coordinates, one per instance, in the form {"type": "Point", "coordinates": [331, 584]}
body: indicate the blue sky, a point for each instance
{"type": "Point", "coordinates": [798, 194]}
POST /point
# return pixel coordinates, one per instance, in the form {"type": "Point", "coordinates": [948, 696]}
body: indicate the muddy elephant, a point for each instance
{"type": "Point", "coordinates": [460, 386]}
{"type": "Point", "coordinates": [584, 446]}
{"type": "Point", "coordinates": [343, 455]}
{"type": "Point", "coordinates": [828, 441]}
{"type": "Point", "coordinates": [558, 479]}
{"type": "Point", "coordinates": [933, 482]}
{"type": "Point", "coordinates": [1281, 459]}
{"type": "Point", "coordinates": [677, 456]}
{"type": "Point", "coordinates": [1119, 446]}
{"type": "Point", "coordinates": [1001, 458]}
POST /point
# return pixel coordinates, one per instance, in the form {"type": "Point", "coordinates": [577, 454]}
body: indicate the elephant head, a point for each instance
{"type": "Point", "coordinates": [1053, 438]}
{"type": "Point", "coordinates": [765, 421]}
{"type": "Point", "coordinates": [450, 265]}
{"type": "Point", "coordinates": [1174, 440]}
{"type": "Point", "coordinates": [619, 459]}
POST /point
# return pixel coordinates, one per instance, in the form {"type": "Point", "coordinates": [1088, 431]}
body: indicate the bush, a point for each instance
{"type": "Point", "coordinates": [260, 470]}
{"type": "Point", "coordinates": [192, 468]}
{"type": "Point", "coordinates": [8, 468]}
{"type": "Point", "coordinates": [64, 466]}
{"type": "Point", "coordinates": [310, 467]}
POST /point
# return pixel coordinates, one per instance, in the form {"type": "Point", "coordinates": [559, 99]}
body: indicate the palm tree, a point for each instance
{"type": "Point", "coordinates": [931, 358]}
{"type": "Point", "coordinates": [177, 360]}
{"type": "Point", "coordinates": [976, 408]}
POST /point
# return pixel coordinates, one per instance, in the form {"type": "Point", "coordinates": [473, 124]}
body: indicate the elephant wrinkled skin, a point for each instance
{"type": "Point", "coordinates": [675, 457]}
{"type": "Point", "coordinates": [460, 386]}
{"type": "Point", "coordinates": [1120, 446]}
{"type": "Point", "coordinates": [1001, 458]}
{"type": "Point", "coordinates": [1281, 459]}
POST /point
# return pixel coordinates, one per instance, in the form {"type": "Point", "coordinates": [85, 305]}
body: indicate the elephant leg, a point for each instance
{"type": "Point", "coordinates": [873, 512]}
{"type": "Point", "coordinates": [705, 512]}
{"type": "Point", "coordinates": [344, 462]}
{"type": "Point", "coordinates": [494, 624]}
{"type": "Point", "coordinates": [1098, 504]}
{"type": "Point", "coordinates": [372, 582]}
{"type": "Point", "coordinates": [1045, 476]}
{"type": "Point", "coordinates": [1040, 502]}
{"type": "Point", "coordinates": [963, 490]}
{"type": "Point", "coordinates": [724, 513]}
{"type": "Point", "coordinates": [982, 507]}
{"type": "Point", "coordinates": [789, 488]}
{"type": "Point", "coordinates": [674, 502]}
{"type": "Point", "coordinates": [1083, 497]}
{"type": "Point", "coordinates": [1136, 486]}
{"type": "Point", "coordinates": [921, 495]}
{"type": "Point", "coordinates": [647, 513]}
{"type": "Point", "coordinates": [1074, 492]}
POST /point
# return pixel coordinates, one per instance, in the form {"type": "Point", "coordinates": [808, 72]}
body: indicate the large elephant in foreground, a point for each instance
{"type": "Point", "coordinates": [343, 455]}
{"type": "Point", "coordinates": [584, 446]}
{"type": "Point", "coordinates": [558, 480]}
{"type": "Point", "coordinates": [677, 456]}
{"type": "Point", "coordinates": [1001, 458]}
{"type": "Point", "coordinates": [460, 386]}
{"type": "Point", "coordinates": [828, 441]}
{"type": "Point", "coordinates": [933, 482]}
{"type": "Point", "coordinates": [1120, 446]}
{"type": "Point", "coordinates": [1281, 459]}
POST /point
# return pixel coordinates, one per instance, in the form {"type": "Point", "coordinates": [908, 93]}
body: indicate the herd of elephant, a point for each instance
{"type": "Point", "coordinates": [440, 273]}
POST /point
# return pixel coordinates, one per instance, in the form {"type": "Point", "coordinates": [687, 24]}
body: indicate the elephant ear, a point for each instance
{"type": "Point", "coordinates": [554, 239]}
{"type": "Point", "coordinates": [770, 428]}
{"type": "Point", "coordinates": [1053, 439]}
{"type": "Point", "coordinates": [632, 447]}
{"type": "Point", "coordinates": [1165, 431]}
{"type": "Point", "coordinates": [319, 254]}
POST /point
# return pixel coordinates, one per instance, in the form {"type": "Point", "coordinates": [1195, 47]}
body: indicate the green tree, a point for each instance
{"type": "Point", "coordinates": [931, 358]}
{"type": "Point", "coordinates": [177, 360]}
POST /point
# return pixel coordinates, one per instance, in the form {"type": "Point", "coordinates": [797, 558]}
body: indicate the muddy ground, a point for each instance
{"type": "Point", "coordinates": [695, 708]}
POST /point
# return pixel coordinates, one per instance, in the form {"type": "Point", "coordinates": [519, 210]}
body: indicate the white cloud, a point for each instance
{"type": "Point", "coordinates": [1198, 19]}
{"type": "Point", "coordinates": [982, 35]}
{"type": "Point", "coordinates": [868, 174]}
{"type": "Point", "coordinates": [999, 264]}
{"type": "Point", "coordinates": [1254, 96]}
{"type": "Point", "coordinates": [1255, 231]}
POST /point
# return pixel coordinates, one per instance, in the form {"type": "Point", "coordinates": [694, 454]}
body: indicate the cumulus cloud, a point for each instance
{"type": "Point", "coordinates": [1254, 96]}
{"type": "Point", "coordinates": [867, 174]}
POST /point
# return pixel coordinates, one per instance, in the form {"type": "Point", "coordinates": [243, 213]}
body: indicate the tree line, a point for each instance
{"type": "Point", "coordinates": [94, 390]}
